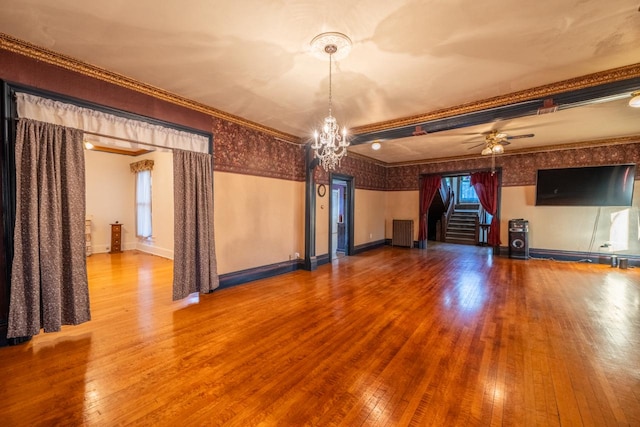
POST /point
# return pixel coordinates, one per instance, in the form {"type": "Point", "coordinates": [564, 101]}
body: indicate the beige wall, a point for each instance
{"type": "Point", "coordinates": [322, 222]}
{"type": "Point", "coordinates": [401, 205]}
{"type": "Point", "coordinates": [258, 221]}
{"type": "Point", "coordinates": [369, 216]}
{"type": "Point", "coordinates": [162, 205]}
{"type": "Point", "coordinates": [110, 196]}
{"type": "Point", "coordinates": [572, 228]}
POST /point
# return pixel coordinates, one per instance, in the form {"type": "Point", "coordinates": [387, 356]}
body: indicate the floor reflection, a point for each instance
{"type": "Point", "coordinates": [65, 384]}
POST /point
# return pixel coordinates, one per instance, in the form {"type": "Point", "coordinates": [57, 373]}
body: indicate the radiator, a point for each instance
{"type": "Point", "coordinates": [402, 233]}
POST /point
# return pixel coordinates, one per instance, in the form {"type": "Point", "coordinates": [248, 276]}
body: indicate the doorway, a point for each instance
{"type": "Point", "coordinates": [340, 216]}
{"type": "Point", "coordinates": [456, 214]}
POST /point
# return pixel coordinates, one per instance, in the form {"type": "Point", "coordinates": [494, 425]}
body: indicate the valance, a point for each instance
{"type": "Point", "coordinates": [127, 131]}
{"type": "Point", "coordinates": [142, 165]}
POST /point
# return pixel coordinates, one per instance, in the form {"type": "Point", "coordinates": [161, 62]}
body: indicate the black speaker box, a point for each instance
{"type": "Point", "coordinates": [519, 239]}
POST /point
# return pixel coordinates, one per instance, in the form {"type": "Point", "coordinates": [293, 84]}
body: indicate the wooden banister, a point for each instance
{"type": "Point", "coordinates": [446, 216]}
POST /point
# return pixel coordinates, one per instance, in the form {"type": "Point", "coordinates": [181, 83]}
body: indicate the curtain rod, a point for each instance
{"type": "Point", "coordinates": [126, 140]}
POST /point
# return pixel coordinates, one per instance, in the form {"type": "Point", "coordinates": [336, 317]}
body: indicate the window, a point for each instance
{"type": "Point", "coordinates": [143, 203]}
{"type": "Point", "coordinates": [467, 194]}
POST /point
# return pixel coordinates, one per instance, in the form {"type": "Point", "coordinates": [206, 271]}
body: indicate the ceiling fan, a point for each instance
{"type": "Point", "coordinates": [495, 141]}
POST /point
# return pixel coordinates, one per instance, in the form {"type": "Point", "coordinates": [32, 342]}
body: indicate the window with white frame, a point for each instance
{"type": "Point", "coordinates": [142, 170]}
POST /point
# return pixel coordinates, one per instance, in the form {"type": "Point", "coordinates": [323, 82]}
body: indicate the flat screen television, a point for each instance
{"type": "Point", "coordinates": [586, 186]}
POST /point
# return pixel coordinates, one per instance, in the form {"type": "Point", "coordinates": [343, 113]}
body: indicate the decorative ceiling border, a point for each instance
{"type": "Point", "coordinates": [21, 47]}
{"type": "Point", "coordinates": [589, 80]}
{"type": "Point", "coordinates": [622, 140]}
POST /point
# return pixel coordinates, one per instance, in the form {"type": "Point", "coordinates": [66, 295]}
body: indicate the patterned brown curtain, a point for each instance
{"type": "Point", "coordinates": [429, 184]}
{"type": "Point", "coordinates": [49, 285]}
{"type": "Point", "coordinates": [486, 186]}
{"type": "Point", "coordinates": [194, 264]}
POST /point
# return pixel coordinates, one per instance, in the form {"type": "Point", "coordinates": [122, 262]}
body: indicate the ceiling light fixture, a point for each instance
{"type": "Point", "coordinates": [635, 100]}
{"type": "Point", "coordinates": [376, 146]}
{"type": "Point", "coordinates": [330, 146]}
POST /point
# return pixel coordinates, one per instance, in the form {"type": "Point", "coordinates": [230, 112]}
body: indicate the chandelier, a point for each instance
{"type": "Point", "coordinates": [330, 144]}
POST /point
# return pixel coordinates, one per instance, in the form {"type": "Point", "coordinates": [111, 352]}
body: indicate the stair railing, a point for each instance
{"type": "Point", "coordinates": [446, 216]}
{"type": "Point", "coordinates": [477, 228]}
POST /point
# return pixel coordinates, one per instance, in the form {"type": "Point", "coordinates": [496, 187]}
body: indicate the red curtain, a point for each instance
{"type": "Point", "coordinates": [429, 185]}
{"type": "Point", "coordinates": [486, 186]}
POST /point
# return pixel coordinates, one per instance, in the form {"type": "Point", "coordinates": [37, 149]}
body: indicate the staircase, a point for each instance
{"type": "Point", "coordinates": [461, 227]}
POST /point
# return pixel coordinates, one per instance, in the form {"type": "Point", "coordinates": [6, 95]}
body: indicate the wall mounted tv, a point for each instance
{"type": "Point", "coordinates": [586, 186]}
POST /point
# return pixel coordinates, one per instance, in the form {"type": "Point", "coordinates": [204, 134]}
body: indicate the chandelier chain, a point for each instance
{"type": "Point", "coordinates": [330, 59]}
{"type": "Point", "coordinates": [330, 144]}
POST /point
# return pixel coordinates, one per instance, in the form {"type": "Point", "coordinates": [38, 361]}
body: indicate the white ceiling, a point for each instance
{"type": "Point", "coordinates": [590, 123]}
{"type": "Point", "coordinates": [251, 58]}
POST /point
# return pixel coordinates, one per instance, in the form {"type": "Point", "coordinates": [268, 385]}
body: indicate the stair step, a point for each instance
{"type": "Point", "coordinates": [464, 217]}
{"type": "Point", "coordinates": [461, 230]}
{"type": "Point", "coordinates": [461, 235]}
{"type": "Point", "coordinates": [462, 225]}
{"type": "Point", "coordinates": [455, 235]}
{"type": "Point", "coordinates": [465, 220]}
{"type": "Point", "coordinates": [465, 224]}
{"type": "Point", "coordinates": [466, 231]}
{"type": "Point", "coordinates": [470, 233]}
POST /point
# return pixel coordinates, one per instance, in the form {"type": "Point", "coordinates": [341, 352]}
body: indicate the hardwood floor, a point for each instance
{"type": "Point", "coordinates": [393, 337]}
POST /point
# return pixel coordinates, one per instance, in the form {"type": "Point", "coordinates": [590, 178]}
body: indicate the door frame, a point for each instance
{"type": "Point", "coordinates": [348, 212]}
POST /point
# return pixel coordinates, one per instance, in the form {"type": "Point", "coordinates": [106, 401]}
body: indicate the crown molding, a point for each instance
{"type": "Point", "coordinates": [583, 82]}
{"type": "Point", "coordinates": [21, 47]}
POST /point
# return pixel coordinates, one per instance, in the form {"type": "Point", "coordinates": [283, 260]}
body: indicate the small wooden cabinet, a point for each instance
{"type": "Point", "coordinates": [116, 238]}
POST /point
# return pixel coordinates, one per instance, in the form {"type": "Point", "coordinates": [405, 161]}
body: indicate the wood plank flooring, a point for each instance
{"type": "Point", "coordinates": [393, 337]}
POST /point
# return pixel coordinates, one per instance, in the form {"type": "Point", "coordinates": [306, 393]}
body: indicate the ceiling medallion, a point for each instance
{"type": "Point", "coordinates": [330, 145]}
{"type": "Point", "coordinates": [321, 42]}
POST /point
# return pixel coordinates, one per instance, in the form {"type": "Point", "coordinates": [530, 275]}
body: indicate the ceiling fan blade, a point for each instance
{"type": "Point", "coordinates": [475, 146]}
{"type": "Point", "coordinates": [529, 135]}
{"type": "Point", "coordinates": [505, 142]}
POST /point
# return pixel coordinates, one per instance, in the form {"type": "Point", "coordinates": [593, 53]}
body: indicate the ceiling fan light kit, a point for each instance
{"type": "Point", "coordinates": [495, 141]}
{"type": "Point", "coordinates": [635, 100]}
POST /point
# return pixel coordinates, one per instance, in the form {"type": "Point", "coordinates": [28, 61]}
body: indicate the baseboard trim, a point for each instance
{"type": "Point", "coordinates": [154, 250]}
{"type": "Point", "coordinates": [323, 259]}
{"type": "Point", "coordinates": [228, 280]}
{"type": "Point", "coordinates": [369, 246]}
{"type": "Point", "coordinates": [235, 278]}
{"type": "Point", "coordinates": [575, 256]}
